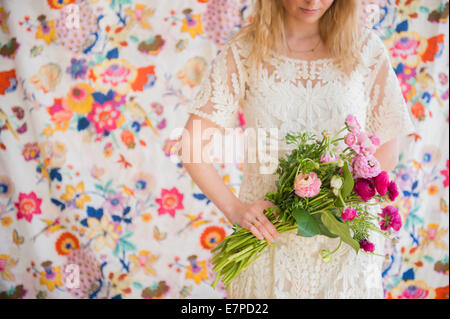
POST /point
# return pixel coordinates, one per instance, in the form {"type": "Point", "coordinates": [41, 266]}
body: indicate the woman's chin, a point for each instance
{"type": "Point", "coordinates": [307, 18]}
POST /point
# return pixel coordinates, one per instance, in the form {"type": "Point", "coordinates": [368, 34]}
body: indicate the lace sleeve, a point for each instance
{"type": "Point", "coordinates": [388, 114]}
{"type": "Point", "coordinates": [221, 89]}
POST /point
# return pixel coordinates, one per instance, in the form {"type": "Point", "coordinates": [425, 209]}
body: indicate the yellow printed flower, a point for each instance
{"type": "Point", "coordinates": [46, 30]}
{"type": "Point", "coordinates": [196, 270]}
{"type": "Point", "coordinates": [6, 221]}
{"type": "Point", "coordinates": [433, 235]}
{"type": "Point", "coordinates": [144, 260]}
{"type": "Point", "coordinates": [192, 23]}
{"type": "Point", "coordinates": [139, 14]}
{"type": "Point", "coordinates": [120, 283]}
{"type": "Point", "coordinates": [51, 276]}
{"type": "Point", "coordinates": [53, 153]}
{"type": "Point", "coordinates": [6, 263]}
{"type": "Point", "coordinates": [76, 194]}
{"type": "Point", "coordinates": [79, 98]}
{"type": "Point", "coordinates": [104, 232]}
{"type": "Point", "coordinates": [147, 217]}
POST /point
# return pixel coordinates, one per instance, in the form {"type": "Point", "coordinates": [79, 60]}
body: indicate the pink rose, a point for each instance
{"type": "Point", "coordinates": [366, 144]}
{"type": "Point", "coordinates": [349, 214]}
{"type": "Point", "coordinates": [307, 185]}
{"type": "Point", "coordinates": [326, 158]}
{"type": "Point", "coordinates": [353, 124]}
{"type": "Point", "coordinates": [375, 139]}
{"type": "Point", "coordinates": [350, 139]}
{"type": "Point", "coordinates": [366, 166]}
{"type": "Point", "coordinates": [364, 188]}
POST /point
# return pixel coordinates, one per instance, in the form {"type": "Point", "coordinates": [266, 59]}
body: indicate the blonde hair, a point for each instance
{"type": "Point", "coordinates": [339, 29]}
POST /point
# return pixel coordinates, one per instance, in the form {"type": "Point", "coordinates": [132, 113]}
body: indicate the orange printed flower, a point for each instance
{"type": "Point", "coordinates": [212, 236]}
{"type": "Point", "coordinates": [128, 139]}
{"type": "Point", "coordinates": [59, 4]}
{"type": "Point", "coordinates": [66, 243]}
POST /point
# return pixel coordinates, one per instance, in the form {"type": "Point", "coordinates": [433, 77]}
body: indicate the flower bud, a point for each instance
{"type": "Point", "coordinates": [326, 256]}
{"type": "Point", "coordinates": [340, 163]}
{"type": "Point", "coordinates": [336, 182]}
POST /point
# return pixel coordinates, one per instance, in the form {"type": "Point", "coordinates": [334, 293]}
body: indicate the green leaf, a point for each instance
{"type": "Point", "coordinates": [306, 224]}
{"type": "Point", "coordinates": [340, 229]}
{"type": "Point", "coordinates": [323, 230]}
{"type": "Point", "coordinates": [348, 183]}
{"type": "Point", "coordinates": [339, 202]}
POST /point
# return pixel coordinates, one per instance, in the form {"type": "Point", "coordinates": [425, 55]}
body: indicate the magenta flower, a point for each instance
{"type": "Point", "coordinates": [170, 201]}
{"type": "Point", "coordinates": [307, 185]}
{"type": "Point", "coordinates": [28, 206]}
{"type": "Point", "coordinates": [391, 218]}
{"type": "Point", "coordinates": [366, 166]}
{"type": "Point", "coordinates": [392, 191]}
{"type": "Point", "coordinates": [349, 214]}
{"type": "Point", "coordinates": [364, 188]}
{"type": "Point", "coordinates": [350, 139]}
{"type": "Point", "coordinates": [381, 182]}
{"type": "Point", "coordinates": [366, 245]}
{"type": "Point", "coordinates": [353, 124]}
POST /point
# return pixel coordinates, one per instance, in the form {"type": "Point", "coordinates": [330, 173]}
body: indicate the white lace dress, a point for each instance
{"type": "Point", "coordinates": [293, 95]}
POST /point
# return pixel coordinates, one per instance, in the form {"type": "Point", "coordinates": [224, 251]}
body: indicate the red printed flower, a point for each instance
{"type": "Point", "coordinates": [170, 201]}
{"type": "Point", "coordinates": [28, 205]}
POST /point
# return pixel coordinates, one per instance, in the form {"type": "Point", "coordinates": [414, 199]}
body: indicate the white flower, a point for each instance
{"type": "Point", "coordinates": [336, 182]}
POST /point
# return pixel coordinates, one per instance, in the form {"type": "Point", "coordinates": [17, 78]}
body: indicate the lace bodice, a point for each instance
{"type": "Point", "coordinates": [294, 95]}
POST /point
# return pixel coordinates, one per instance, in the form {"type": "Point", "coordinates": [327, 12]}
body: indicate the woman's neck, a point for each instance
{"type": "Point", "coordinates": [297, 30]}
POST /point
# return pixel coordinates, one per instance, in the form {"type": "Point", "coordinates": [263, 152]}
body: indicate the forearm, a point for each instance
{"type": "Point", "coordinates": [387, 155]}
{"type": "Point", "coordinates": [211, 184]}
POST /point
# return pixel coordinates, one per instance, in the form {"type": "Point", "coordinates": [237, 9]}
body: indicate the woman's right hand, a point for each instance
{"type": "Point", "coordinates": [251, 216]}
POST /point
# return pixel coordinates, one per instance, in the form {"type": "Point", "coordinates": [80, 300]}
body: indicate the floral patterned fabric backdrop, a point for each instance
{"type": "Point", "coordinates": [93, 200]}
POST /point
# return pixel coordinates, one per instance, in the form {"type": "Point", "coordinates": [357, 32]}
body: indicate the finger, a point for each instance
{"type": "Point", "coordinates": [266, 204]}
{"type": "Point", "coordinates": [264, 230]}
{"type": "Point", "coordinates": [270, 228]}
{"type": "Point", "coordinates": [254, 231]}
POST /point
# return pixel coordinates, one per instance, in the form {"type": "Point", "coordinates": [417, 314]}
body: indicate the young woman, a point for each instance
{"type": "Point", "coordinates": [300, 65]}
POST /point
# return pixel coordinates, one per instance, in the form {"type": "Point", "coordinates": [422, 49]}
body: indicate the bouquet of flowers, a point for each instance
{"type": "Point", "coordinates": [321, 190]}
